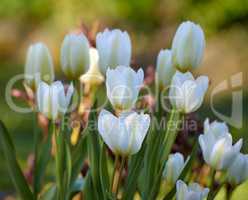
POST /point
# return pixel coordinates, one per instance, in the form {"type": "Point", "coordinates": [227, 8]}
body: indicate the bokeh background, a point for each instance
{"type": "Point", "coordinates": [151, 25]}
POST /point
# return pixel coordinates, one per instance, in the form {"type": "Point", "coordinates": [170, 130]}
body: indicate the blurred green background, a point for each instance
{"type": "Point", "coordinates": [151, 24]}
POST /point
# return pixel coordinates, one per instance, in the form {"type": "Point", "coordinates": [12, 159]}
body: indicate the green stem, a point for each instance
{"type": "Point", "coordinates": [212, 192]}
{"type": "Point", "coordinates": [229, 193]}
{"type": "Point", "coordinates": [114, 172]}
{"type": "Point", "coordinates": [117, 177]}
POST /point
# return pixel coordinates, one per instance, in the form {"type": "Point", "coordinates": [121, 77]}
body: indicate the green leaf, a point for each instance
{"type": "Point", "coordinates": [134, 168]}
{"type": "Point", "coordinates": [104, 176]}
{"type": "Point", "coordinates": [43, 157]}
{"type": "Point", "coordinates": [94, 152]}
{"type": "Point", "coordinates": [16, 174]}
{"type": "Point", "coordinates": [94, 155]}
{"type": "Point", "coordinates": [68, 167]}
{"type": "Point", "coordinates": [78, 156]}
{"type": "Point", "coordinates": [165, 149]}
{"type": "Point", "coordinates": [49, 193]}
{"type": "Point", "coordinates": [88, 191]}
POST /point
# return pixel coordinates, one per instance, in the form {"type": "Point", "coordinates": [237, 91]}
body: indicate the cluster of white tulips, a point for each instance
{"type": "Point", "coordinates": [144, 166]}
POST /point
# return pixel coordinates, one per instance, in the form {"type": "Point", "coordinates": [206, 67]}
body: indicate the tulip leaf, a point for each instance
{"type": "Point", "coordinates": [78, 156]}
{"type": "Point", "coordinates": [134, 168]}
{"type": "Point", "coordinates": [88, 190]}
{"type": "Point", "coordinates": [166, 146]}
{"type": "Point", "coordinates": [42, 159]}
{"type": "Point", "coordinates": [68, 168]}
{"type": "Point", "coordinates": [104, 176]}
{"type": "Point", "coordinates": [49, 192]}
{"type": "Point", "coordinates": [94, 152]}
{"type": "Point", "coordinates": [16, 174]}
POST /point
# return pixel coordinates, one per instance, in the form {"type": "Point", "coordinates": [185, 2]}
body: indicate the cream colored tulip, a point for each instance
{"type": "Point", "coordinates": [75, 59]}
{"type": "Point", "coordinates": [39, 65]}
{"type": "Point", "coordinates": [93, 76]}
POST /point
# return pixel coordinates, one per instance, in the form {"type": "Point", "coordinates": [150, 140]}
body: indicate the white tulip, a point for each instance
{"type": "Point", "coordinates": [165, 69]}
{"type": "Point", "coordinates": [186, 93]}
{"type": "Point", "coordinates": [192, 192]}
{"type": "Point", "coordinates": [114, 47]}
{"type": "Point", "coordinates": [39, 65]}
{"type": "Point", "coordinates": [75, 58]}
{"type": "Point", "coordinates": [124, 135]}
{"type": "Point", "coordinates": [216, 145]}
{"type": "Point", "coordinates": [123, 85]}
{"type": "Point", "coordinates": [93, 76]}
{"type": "Point", "coordinates": [52, 100]}
{"type": "Point", "coordinates": [238, 171]}
{"type": "Point", "coordinates": [173, 168]}
{"type": "Point", "coordinates": [188, 46]}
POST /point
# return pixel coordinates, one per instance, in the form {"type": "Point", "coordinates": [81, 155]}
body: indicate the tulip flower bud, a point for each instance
{"type": "Point", "coordinates": [186, 94]}
{"type": "Point", "coordinates": [123, 85]}
{"type": "Point", "coordinates": [216, 145]}
{"type": "Point", "coordinates": [173, 168]}
{"type": "Point", "coordinates": [114, 49]}
{"type": "Point", "coordinates": [75, 55]}
{"type": "Point", "coordinates": [39, 65]}
{"type": "Point", "coordinates": [52, 100]}
{"type": "Point", "coordinates": [188, 46]}
{"type": "Point", "coordinates": [238, 171]}
{"type": "Point", "coordinates": [93, 76]}
{"type": "Point", "coordinates": [165, 69]}
{"type": "Point", "coordinates": [124, 135]}
{"type": "Point", "coordinates": [192, 192]}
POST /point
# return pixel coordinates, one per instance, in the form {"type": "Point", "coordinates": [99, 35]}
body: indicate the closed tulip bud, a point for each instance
{"type": "Point", "coordinates": [192, 192]}
{"type": "Point", "coordinates": [165, 69]}
{"type": "Point", "coordinates": [123, 85]}
{"type": "Point", "coordinates": [238, 171]}
{"type": "Point", "coordinates": [75, 55]}
{"type": "Point", "coordinates": [114, 47]}
{"type": "Point", "coordinates": [52, 100]}
{"type": "Point", "coordinates": [124, 135]}
{"type": "Point", "coordinates": [173, 168]}
{"type": "Point", "coordinates": [39, 65]}
{"type": "Point", "coordinates": [93, 76]}
{"type": "Point", "coordinates": [188, 46]}
{"type": "Point", "coordinates": [186, 93]}
{"type": "Point", "coordinates": [216, 145]}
